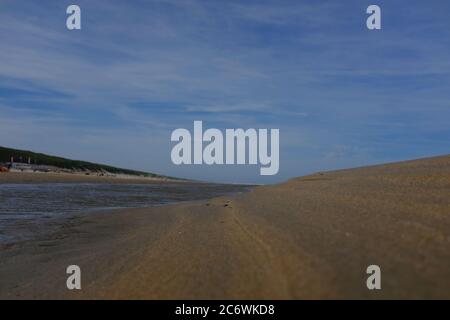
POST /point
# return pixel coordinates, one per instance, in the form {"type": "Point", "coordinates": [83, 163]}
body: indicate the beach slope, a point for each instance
{"type": "Point", "coordinates": [311, 237]}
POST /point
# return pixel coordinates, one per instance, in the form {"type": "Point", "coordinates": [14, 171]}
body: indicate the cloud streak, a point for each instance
{"type": "Point", "coordinates": [137, 71]}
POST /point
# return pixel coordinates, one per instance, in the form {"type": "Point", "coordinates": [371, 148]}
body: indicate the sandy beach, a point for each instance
{"type": "Point", "coordinates": [53, 177]}
{"type": "Point", "coordinates": [311, 237]}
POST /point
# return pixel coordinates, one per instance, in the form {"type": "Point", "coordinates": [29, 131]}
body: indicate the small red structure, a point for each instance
{"type": "Point", "coordinates": [3, 169]}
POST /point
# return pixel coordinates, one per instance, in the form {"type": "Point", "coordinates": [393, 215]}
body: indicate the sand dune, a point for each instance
{"type": "Point", "coordinates": [311, 237]}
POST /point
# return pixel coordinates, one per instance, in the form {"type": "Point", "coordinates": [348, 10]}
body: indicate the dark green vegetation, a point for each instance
{"type": "Point", "coordinates": [76, 165]}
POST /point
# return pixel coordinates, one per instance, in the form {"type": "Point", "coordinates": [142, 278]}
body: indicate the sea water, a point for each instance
{"type": "Point", "coordinates": [26, 209]}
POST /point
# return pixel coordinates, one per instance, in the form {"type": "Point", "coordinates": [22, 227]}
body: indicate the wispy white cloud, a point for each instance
{"type": "Point", "coordinates": [136, 71]}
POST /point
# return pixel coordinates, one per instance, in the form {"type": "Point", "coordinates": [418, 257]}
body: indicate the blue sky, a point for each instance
{"type": "Point", "coordinates": [341, 95]}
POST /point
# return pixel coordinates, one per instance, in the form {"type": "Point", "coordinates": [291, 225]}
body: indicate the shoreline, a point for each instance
{"type": "Point", "coordinates": [61, 177]}
{"type": "Point", "coordinates": [309, 238]}
{"type": "Point", "coordinates": [36, 206]}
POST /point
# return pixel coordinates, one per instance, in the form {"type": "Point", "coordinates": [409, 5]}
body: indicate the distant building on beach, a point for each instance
{"type": "Point", "coordinates": [22, 166]}
{"type": "Point", "coordinates": [18, 166]}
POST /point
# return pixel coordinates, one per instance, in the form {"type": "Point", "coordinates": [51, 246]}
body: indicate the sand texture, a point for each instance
{"type": "Point", "coordinates": [312, 237]}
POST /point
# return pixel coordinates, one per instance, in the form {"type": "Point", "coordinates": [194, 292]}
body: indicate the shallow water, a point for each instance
{"type": "Point", "coordinates": [29, 208]}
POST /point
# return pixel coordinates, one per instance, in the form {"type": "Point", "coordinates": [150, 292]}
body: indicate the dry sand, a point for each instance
{"type": "Point", "coordinates": [311, 237]}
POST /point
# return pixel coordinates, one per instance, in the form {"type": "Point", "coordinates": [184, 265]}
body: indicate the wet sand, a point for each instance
{"type": "Point", "coordinates": [312, 237]}
{"type": "Point", "coordinates": [53, 177]}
